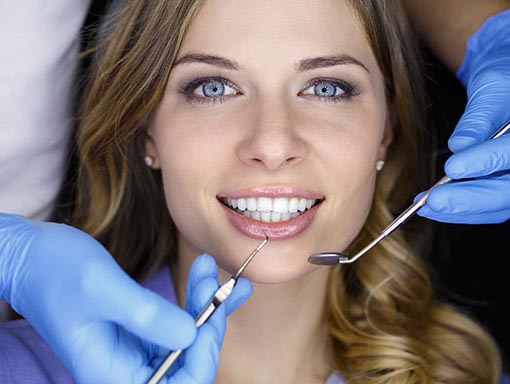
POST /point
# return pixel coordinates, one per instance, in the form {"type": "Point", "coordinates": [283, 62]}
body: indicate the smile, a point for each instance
{"type": "Point", "coordinates": [270, 210]}
{"type": "Point", "coordinates": [279, 212]}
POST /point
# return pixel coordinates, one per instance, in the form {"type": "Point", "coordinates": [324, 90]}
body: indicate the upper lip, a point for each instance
{"type": "Point", "coordinates": [272, 191]}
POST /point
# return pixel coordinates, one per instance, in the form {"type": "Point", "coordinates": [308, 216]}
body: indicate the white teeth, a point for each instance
{"type": "Point", "coordinates": [265, 216]}
{"type": "Point", "coordinates": [268, 209]}
{"type": "Point", "coordinates": [241, 204]}
{"type": "Point", "coordinates": [293, 204]}
{"type": "Point", "coordinates": [264, 204]}
{"type": "Point", "coordinates": [302, 205]}
{"type": "Point", "coordinates": [281, 205]}
{"type": "Point", "coordinates": [251, 204]}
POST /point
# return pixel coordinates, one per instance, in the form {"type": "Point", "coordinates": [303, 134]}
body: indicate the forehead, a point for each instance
{"type": "Point", "coordinates": [265, 31]}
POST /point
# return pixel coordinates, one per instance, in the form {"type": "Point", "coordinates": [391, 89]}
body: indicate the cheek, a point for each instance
{"type": "Point", "coordinates": [194, 153]}
{"type": "Point", "coordinates": [348, 160]}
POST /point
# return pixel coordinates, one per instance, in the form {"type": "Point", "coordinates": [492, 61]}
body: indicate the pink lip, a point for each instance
{"type": "Point", "coordinates": [275, 231]}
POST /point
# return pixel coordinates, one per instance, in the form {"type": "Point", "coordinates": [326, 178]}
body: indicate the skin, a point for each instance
{"type": "Point", "coordinates": [271, 130]}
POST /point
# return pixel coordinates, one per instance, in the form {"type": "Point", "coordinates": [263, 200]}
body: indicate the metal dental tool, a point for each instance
{"type": "Point", "coordinates": [333, 258]}
{"type": "Point", "coordinates": [219, 297]}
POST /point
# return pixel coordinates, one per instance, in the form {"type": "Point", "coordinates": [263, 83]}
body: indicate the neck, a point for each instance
{"type": "Point", "coordinates": [278, 335]}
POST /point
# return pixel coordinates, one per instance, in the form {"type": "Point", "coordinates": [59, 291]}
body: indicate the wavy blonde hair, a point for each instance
{"type": "Point", "coordinates": [386, 325]}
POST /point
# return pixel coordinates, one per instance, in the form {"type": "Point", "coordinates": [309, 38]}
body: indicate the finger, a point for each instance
{"type": "Point", "coordinates": [480, 160]}
{"type": "Point", "coordinates": [203, 268]}
{"type": "Point", "coordinates": [462, 202]}
{"type": "Point", "coordinates": [120, 299]}
{"type": "Point", "coordinates": [201, 359]}
{"type": "Point", "coordinates": [200, 295]}
{"type": "Point", "coordinates": [127, 358]}
{"type": "Point", "coordinates": [486, 111]}
{"type": "Point", "coordinates": [480, 218]}
{"type": "Point", "coordinates": [242, 290]}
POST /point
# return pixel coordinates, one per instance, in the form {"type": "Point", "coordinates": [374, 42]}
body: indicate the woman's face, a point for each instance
{"type": "Point", "coordinates": [273, 119]}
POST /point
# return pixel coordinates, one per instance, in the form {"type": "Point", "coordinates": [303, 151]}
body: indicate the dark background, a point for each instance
{"type": "Point", "coordinates": [468, 260]}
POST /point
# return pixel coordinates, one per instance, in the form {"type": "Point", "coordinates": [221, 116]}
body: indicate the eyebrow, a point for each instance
{"type": "Point", "coordinates": [327, 61]}
{"type": "Point", "coordinates": [301, 66]}
{"type": "Point", "coordinates": [217, 61]}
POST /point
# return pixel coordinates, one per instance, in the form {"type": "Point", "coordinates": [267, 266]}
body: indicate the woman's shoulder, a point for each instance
{"type": "Point", "coordinates": [26, 358]}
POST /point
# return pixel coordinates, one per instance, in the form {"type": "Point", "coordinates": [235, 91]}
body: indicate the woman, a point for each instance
{"type": "Point", "coordinates": [249, 117]}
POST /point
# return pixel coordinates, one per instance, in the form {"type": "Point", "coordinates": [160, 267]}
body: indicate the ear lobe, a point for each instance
{"type": "Point", "coordinates": [151, 151]}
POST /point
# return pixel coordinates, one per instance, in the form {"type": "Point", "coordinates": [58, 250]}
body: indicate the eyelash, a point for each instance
{"type": "Point", "coordinates": [188, 90]}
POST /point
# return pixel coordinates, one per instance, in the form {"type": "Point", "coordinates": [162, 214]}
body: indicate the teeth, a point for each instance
{"type": "Point", "coordinates": [268, 209]}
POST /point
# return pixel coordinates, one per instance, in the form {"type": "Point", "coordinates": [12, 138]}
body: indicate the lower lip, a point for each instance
{"type": "Point", "coordinates": [275, 231]}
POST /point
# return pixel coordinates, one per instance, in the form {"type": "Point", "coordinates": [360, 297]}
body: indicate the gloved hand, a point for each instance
{"type": "Point", "coordinates": [101, 324]}
{"type": "Point", "coordinates": [199, 363]}
{"type": "Point", "coordinates": [485, 72]}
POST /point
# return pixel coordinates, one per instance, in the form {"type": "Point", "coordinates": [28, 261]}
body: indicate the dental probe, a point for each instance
{"type": "Point", "coordinates": [333, 258]}
{"type": "Point", "coordinates": [219, 297]}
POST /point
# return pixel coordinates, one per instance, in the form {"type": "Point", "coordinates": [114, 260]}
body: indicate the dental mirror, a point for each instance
{"type": "Point", "coordinates": [333, 258]}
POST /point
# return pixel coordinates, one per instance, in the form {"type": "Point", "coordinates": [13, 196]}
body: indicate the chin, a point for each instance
{"type": "Point", "coordinates": [272, 267]}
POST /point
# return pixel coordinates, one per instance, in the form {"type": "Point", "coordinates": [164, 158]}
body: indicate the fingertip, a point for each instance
{"type": "Point", "coordinates": [438, 201]}
{"type": "Point", "coordinates": [240, 294]}
{"type": "Point", "coordinates": [159, 321]}
{"type": "Point", "coordinates": [173, 328]}
{"type": "Point", "coordinates": [200, 294]}
{"type": "Point", "coordinates": [244, 287]}
{"type": "Point", "coordinates": [204, 265]}
{"type": "Point", "coordinates": [453, 168]}
{"type": "Point", "coordinates": [457, 142]}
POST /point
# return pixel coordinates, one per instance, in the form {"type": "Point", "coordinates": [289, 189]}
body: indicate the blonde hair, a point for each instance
{"type": "Point", "coordinates": [385, 323]}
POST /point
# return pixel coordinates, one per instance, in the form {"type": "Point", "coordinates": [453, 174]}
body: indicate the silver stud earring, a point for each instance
{"type": "Point", "coordinates": [379, 165]}
{"type": "Point", "coordinates": [149, 160]}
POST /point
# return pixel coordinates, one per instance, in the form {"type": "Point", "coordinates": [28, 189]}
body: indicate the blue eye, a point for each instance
{"type": "Point", "coordinates": [325, 89]}
{"type": "Point", "coordinates": [213, 89]}
{"type": "Point", "coordinates": [208, 89]}
{"type": "Point", "coordinates": [329, 90]}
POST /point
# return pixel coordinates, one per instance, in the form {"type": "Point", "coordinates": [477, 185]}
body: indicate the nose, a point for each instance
{"type": "Point", "coordinates": [273, 139]}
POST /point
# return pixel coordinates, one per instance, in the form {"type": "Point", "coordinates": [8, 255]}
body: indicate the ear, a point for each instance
{"type": "Point", "coordinates": [151, 149]}
{"type": "Point", "coordinates": [388, 134]}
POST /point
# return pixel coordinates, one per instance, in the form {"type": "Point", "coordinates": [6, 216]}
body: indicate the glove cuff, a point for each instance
{"type": "Point", "coordinates": [494, 31]}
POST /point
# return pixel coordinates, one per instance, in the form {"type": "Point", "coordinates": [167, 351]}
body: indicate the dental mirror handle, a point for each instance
{"type": "Point", "coordinates": [401, 219]}
{"type": "Point", "coordinates": [413, 208]}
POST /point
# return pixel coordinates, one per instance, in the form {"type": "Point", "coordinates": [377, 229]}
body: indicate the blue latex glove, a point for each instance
{"type": "Point", "coordinates": [485, 72]}
{"type": "Point", "coordinates": [101, 324]}
{"type": "Point", "coordinates": [199, 363]}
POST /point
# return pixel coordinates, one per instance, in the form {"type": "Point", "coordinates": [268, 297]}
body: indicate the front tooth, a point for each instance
{"type": "Point", "coordinates": [241, 204]}
{"type": "Point", "coordinates": [293, 204]}
{"type": "Point", "coordinates": [255, 215]}
{"type": "Point", "coordinates": [276, 217]}
{"type": "Point", "coordinates": [264, 204]}
{"type": "Point", "coordinates": [251, 203]}
{"type": "Point", "coordinates": [302, 205]}
{"type": "Point", "coordinates": [285, 216]}
{"type": "Point", "coordinates": [280, 205]}
{"type": "Point", "coordinates": [247, 213]}
{"type": "Point", "coordinates": [265, 216]}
